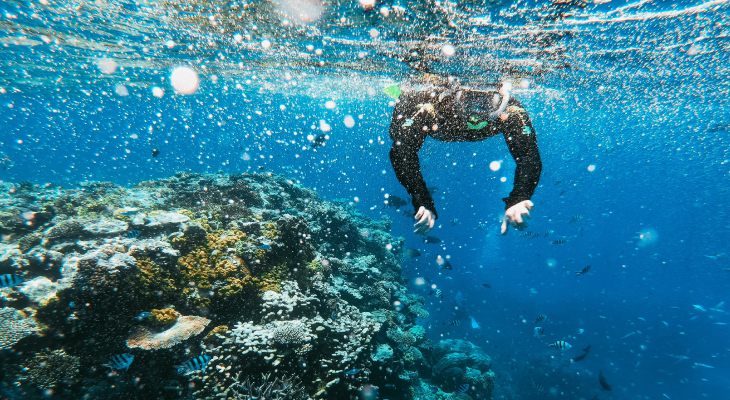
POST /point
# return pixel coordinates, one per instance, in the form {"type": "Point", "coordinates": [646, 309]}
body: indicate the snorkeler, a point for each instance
{"type": "Point", "coordinates": [448, 112]}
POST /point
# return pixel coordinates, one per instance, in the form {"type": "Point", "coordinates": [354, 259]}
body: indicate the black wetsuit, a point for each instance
{"type": "Point", "coordinates": [429, 112]}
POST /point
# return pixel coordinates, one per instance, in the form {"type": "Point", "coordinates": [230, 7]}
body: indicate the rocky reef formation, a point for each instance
{"type": "Point", "coordinates": [219, 286]}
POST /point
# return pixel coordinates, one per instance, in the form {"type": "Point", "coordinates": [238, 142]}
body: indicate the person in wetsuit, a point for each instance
{"type": "Point", "coordinates": [440, 108]}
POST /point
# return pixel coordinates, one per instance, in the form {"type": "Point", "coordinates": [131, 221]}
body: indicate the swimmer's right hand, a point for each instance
{"type": "Point", "coordinates": [426, 219]}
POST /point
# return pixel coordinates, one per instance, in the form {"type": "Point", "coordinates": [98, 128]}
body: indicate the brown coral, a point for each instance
{"type": "Point", "coordinates": [185, 327]}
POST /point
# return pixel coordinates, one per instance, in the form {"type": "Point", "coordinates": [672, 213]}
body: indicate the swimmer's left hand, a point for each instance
{"type": "Point", "coordinates": [517, 216]}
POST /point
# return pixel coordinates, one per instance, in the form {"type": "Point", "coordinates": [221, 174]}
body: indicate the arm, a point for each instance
{"type": "Point", "coordinates": [407, 141]}
{"type": "Point", "coordinates": [522, 143]}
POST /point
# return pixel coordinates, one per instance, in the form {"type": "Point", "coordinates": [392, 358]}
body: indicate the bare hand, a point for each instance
{"type": "Point", "coordinates": [425, 222]}
{"type": "Point", "coordinates": [517, 216]}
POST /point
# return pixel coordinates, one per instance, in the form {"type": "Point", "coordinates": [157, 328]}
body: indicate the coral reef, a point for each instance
{"type": "Point", "coordinates": [252, 272]}
{"type": "Point", "coordinates": [49, 368]}
{"type": "Point", "coordinates": [14, 326]}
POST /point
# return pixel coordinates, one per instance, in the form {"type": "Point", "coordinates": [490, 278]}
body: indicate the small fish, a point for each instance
{"type": "Point", "coordinates": [549, 232]}
{"type": "Point", "coordinates": [580, 331]}
{"type": "Point", "coordinates": [264, 247]}
{"type": "Point", "coordinates": [412, 374]}
{"type": "Point", "coordinates": [486, 285]}
{"type": "Point", "coordinates": [120, 361]}
{"type": "Point", "coordinates": [455, 323]}
{"type": "Point", "coordinates": [704, 365]}
{"type": "Point", "coordinates": [582, 356]}
{"type": "Point", "coordinates": [9, 280]}
{"type": "Point", "coordinates": [194, 364]}
{"type": "Point", "coordinates": [454, 221]}
{"type": "Point", "coordinates": [480, 226]}
{"type": "Point", "coordinates": [352, 371]}
{"type": "Point", "coordinates": [389, 385]}
{"type": "Point", "coordinates": [334, 315]}
{"type": "Point", "coordinates": [559, 241]}
{"type": "Point", "coordinates": [431, 239]}
{"type": "Point", "coordinates": [132, 234]}
{"type": "Point", "coordinates": [427, 280]}
{"type": "Point", "coordinates": [142, 315]}
{"type": "Point", "coordinates": [526, 234]}
{"type": "Point", "coordinates": [602, 381]}
{"type": "Point", "coordinates": [576, 218]}
{"type": "Point", "coordinates": [583, 271]}
{"type": "Point", "coordinates": [155, 153]}
{"type": "Point", "coordinates": [395, 201]}
{"type": "Point", "coordinates": [443, 263]}
{"type": "Point", "coordinates": [560, 345]}
{"type": "Point", "coordinates": [439, 293]}
{"type": "Point", "coordinates": [411, 253]}
{"type": "Point", "coordinates": [699, 307]}
{"type": "Point", "coordinates": [540, 318]}
{"type": "Point", "coordinates": [539, 331]}
{"type": "Point", "coordinates": [320, 140]}
{"type": "Point", "coordinates": [463, 388]}
{"type": "Point", "coordinates": [538, 386]}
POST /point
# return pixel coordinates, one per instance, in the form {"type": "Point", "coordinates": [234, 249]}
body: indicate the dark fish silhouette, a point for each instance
{"type": "Point", "coordinates": [538, 386]}
{"type": "Point", "coordinates": [582, 356]}
{"type": "Point", "coordinates": [560, 345]}
{"type": "Point", "coordinates": [583, 271]}
{"type": "Point", "coordinates": [155, 153]}
{"type": "Point", "coordinates": [411, 253]}
{"type": "Point", "coordinates": [132, 234]}
{"type": "Point", "coordinates": [486, 285]}
{"type": "Point", "coordinates": [540, 318]}
{"type": "Point", "coordinates": [320, 140]}
{"type": "Point", "coordinates": [395, 201]}
{"type": "Point", "coordinates": [602, 381]}
{"type": "Point", "coordinates": [443, 263]}
{"type": "Point", "coordinates": [718, 128]}
{"type": "Point", "coordinates": [431, 239]}
{"type": "Point", "coordinates": [455, 323]}
{"type": "Point", "coordinates": [559, 241]}
{"type": "Point", "coordinates": [462, 389]}
{"type": "Point", "coordinates": [576, 218]}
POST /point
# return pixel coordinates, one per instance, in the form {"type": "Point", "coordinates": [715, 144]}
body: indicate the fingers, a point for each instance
{"type": "Point", "coordinates": [529, 205]}
{"type": "Point", "coordinates": [504, 227]}
{"type": "Point", "coordinates": [420, 212]}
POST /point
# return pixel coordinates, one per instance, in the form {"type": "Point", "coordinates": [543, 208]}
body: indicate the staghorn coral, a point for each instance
{"type": "Point", "coordinates": [14, 326]}
{"type": "Point", "coordinates": [186, 326]}
{"type": "Point", "coordinates": [218, 329]}
{"type": "Point", "coordinates": [49, 368]}
{"type": "Point", "coordinates": [267, 387]}
{"type": "Point", "coordinates": [164, 317]}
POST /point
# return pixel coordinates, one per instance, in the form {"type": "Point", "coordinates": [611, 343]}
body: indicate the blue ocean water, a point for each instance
{"type": "Point", "coordinates": [630, 106]}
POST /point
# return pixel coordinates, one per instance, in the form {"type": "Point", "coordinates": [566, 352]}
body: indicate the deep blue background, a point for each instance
{"type": "Point", "coordinates": [661, 164]}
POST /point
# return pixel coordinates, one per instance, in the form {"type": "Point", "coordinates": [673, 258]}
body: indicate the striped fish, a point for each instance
{"type": "Point", "coordinates": [576, 218]}
{"type": "Point", "coordinates": [132, 234]}
{"type": "Point", "coordinates": [560, 345]}
{"type": "Point", "coordinates": [9, 280]}
{"type": "Point", "coordinates": [463, 388]}
{"type": "Point", "coordinates": [538, 386]}
{"type": "Point", "coordinates": [539, 332]}
{"type": "Point", "coordinates": [559, 241]}
{"type": "Point", "coordinates": [120, 361]}
{"type": "Point", "coordinates": [454, 323]}
{"type": "Point", "coordinates": [540, 318]}
{"type": "Point", "coordinates": [194, 364]}
{"type": "Point", "coordinates": [439, 293]}
{"type": "Point", "coordinates": [583, 271]}
{"type": "Point", "coordinates": [549, 232]}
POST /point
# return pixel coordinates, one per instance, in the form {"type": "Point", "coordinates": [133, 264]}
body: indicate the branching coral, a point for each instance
{"type": "Point", "coordinates": [166, 316]}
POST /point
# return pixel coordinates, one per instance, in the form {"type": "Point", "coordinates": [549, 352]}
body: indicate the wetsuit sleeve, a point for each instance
{"type": "Point", "coordinates": [408, 137]}
{"type": "Point", "coordinates": [522, 142]}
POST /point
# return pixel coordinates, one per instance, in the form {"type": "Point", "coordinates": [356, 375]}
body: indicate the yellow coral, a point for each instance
{"type": "Point", "coordinates": [165, 316]}
{"type": "Point", "coordinates": [218, 329]}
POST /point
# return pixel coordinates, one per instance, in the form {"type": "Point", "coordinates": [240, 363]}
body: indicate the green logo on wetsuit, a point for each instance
{"type": "Point", "coordinates": [476, 126]}
{"type": "Point", "coordinates": [526, 130]}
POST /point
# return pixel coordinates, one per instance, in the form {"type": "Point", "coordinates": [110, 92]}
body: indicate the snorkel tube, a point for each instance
{"type": "Point", "coordinates": [504, 91]}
